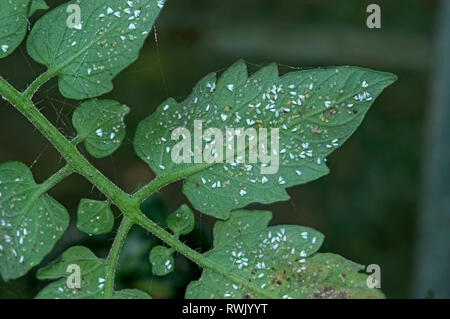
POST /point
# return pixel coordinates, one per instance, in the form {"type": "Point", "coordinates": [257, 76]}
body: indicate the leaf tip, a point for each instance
{"type": "Point", "coordinates": [391, 78]}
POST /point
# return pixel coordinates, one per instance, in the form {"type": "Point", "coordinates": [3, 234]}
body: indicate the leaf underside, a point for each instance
{"type": "Point", "coordinates": [31, 222]}
{"type": "Point", "coordinates": [93, 278]}
{"type": "Point", "coordinates": [36, 5]}
{"type": "Point", "coordinates": [100, 125]}
{"type": "Point", "coordinates": [162, 260]}
{"type": "Point", "coordinates": [14, 22]}
{"type": "Point", "coordinates": [182, 221]}
{"type": "Point", "coordinates": [280, 260]}
{"type": "Point", "coordinates": [87, 56]}
{"type": "Point", "coordinates": [315, 110]}
{"type": "Point", "coordinates": [94, 217]}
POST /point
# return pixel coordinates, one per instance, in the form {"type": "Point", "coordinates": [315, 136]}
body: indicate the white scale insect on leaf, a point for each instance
{"type": "Point", "coordinates": [161, 3]}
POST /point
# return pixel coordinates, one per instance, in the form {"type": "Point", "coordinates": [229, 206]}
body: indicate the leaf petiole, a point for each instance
{"type": "Point", "coordinates": [113, 256]}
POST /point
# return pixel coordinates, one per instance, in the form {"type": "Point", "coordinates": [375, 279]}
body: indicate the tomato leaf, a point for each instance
{"type": "Point", "coordinates": [281, 261]}
{"type": "Point", "coordinates": [162, 261]}
{"type": "Point", "coordinates": [315, 110]}
{"type": "Point", "coordinates": [14, 22]}
{"type": "Point", "coordinates": [94, 217]}
{"type": "Point", "coordinates": [31, 222]}
{"type": "Point", "coordinates": [92, 277]}
{"type": "Point", "coordinates": [181, 222]}
{"type": "Point", "coordinates": [100, 124]}
{"type": "Point", "coordinates": [86, 55]}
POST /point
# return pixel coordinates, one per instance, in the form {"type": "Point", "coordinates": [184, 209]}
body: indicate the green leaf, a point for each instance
{"type": "Point", "coordinates": [86, 56]}
{"type": "Point", "coordinates": [31, 222]}
{"type": "Point", "coordinates": [332, 276]}
{"type": "Point", "coordinates": [94, 217]}
{"type": "Point", "coordinates": [93, 277]}
{"type": "Point", "coordinates": [100, 124]}
{"type": "Point", "coordinates": [278, 260]}
{"type": "Point", "coordinates": [315, 110]}
{"type": "Point", "coordinates": [162, 261]}
{"type": "Point", "coordinates": [130, 294]}
{"type": "Point", "coordinates": [36, 5]}
{"type": "Point", "coordinates": [181, 222]}
{"type": "Point", "coordinates": [14, 22]}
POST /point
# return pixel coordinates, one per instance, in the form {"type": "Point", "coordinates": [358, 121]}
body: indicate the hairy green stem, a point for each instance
{"type": "Point", "coordinates": [128, 204]}
{"type": "Point", "coordinates": [113, 256]}
{"type": "Point", "coordinates": [161, 181]}
{"type": "Point", "coordinates": [50, 183]}
{"type": "Point", "coordinates": [56, 178]}
{"type": "Point", "coordinates": [40, 80]}
{"type": "Point", "coordinates": [76, 140]}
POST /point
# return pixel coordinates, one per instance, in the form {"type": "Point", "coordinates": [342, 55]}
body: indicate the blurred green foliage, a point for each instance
{"type": "Point", "coordinates": [366, 207]}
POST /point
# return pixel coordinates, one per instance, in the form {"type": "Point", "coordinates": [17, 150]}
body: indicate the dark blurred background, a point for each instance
{"type": "Point", "coordinates": [370, 207]}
